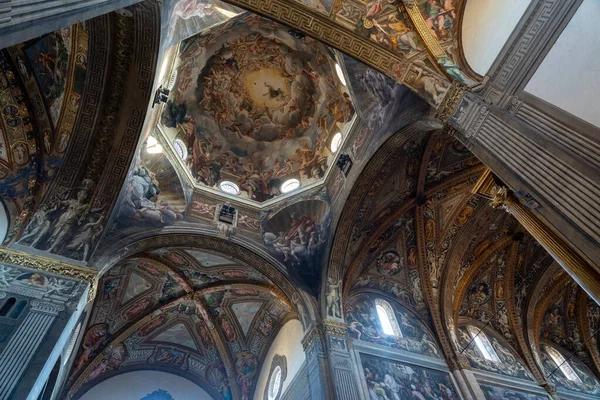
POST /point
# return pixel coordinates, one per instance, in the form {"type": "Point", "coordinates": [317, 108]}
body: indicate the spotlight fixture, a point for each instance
{"type": "Point", "coordinates": [344, 163]}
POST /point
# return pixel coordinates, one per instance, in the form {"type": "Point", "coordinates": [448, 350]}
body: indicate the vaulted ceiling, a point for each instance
{"type": "Point", "coordinates": [417, 236]}
{"type": "Point", "coordinates": [202, 314]}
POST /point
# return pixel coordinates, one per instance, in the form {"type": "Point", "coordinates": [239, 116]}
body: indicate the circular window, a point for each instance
{"type": "Point", "coordinates": [275, 384]}
{"type": "Point", "coordinates": [335, 142]}
{"type": "Point", "coordinates": [229, 187]}
{"type": "Point", "coordinates": [180, 149]}
{"type": "Point", "coordinates": [340, 74]}
{"type": "Point", "coordinates": [289, 185]}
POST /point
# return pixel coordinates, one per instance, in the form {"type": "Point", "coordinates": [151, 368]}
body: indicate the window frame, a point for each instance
{"type": "Point", "coordinates": [482, 344]}
{"type": "Point", "coordinates": [562, 364]}
{"type": "Point", "coordinates": [279, 363]}
{"type": "Point", "coordinates": [390, 315]}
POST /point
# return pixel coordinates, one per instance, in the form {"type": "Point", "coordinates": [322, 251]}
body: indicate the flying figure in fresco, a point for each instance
{"type": "Point", "coordinates": [273, 93]}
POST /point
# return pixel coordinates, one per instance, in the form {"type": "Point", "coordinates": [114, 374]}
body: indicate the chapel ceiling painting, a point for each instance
{"type": "Point", "coordinates": [256, 106]}
{"type": "Point", "coordinates": [41, 83]}
{"type": "Point", "coordinates": [197, 313]}
{"type": "Point", "coordinates": [384, 105]}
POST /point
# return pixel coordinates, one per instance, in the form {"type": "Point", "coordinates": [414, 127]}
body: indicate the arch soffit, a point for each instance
{"type": "Point", "coordinates": [197, 297]}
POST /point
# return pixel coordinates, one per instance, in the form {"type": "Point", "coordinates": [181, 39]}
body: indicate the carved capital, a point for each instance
{"type": "Point", "coordinates": [335, 328]}
{"type": "Point", "coordinates": [549, 387]}
{"type": "Point", "coordinates": [450, 102]}
{"type": "Point", "coordinates": [499, 197]}
{"type": "Point", "coordinates": [321, 331]}
{"type": "Point", "coordinates": [45, 307]}
{"type": "Point", "coordinates": [314, 333]}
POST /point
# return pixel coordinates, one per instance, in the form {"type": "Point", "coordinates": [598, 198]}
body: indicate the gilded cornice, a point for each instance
{"type": "Point", "coordinates": [52, 266]}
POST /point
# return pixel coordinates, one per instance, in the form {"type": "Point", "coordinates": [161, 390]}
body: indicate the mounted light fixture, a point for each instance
{"type": "Point", "coordinates": [340, 74]}
{"type": "Point", "coordinates": [229, 187]}
{"type": "Point", "coordinates": [152, 146]}
{"type": "Point", "coordinates": [289, 185]}
{"type": "Point", "coordinates": [335, 142]}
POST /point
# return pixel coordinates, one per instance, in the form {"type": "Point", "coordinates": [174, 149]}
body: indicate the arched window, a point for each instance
{"type": "Point", "coordinates": [563, 364]}
{"type": "Point", "coordinates": [483, 344]}
{"type": "Point", "coordinates": [387, 318]}
{"type": "Point", "coordinates": [274, 383]}
{"type": "Point", "coordinates": [276, 378]}
{"type": "Point", "coordinates": [7, 306]}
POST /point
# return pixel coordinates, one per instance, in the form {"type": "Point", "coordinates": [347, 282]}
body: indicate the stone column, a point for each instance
{"type": "Point", "coordinates": [586, 275]}
{"type": "Point", "coordinates": [331, 372]}
{"type": "Point", "coordinates": [23, 345]}
{"type": "Point", "coordinates": [341, 362]}
{"type": "Point", "coordinates": [467, 384]}
{"type": "Point", "coordinates": [316, 364]}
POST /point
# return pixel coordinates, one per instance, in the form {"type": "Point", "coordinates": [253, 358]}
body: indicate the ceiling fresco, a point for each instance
{"type": "Point", "coordinates": [256, 106]}
{"type": "Point", "coordinates": [41, 84]}
{"type": "Point", "coordinates": [384, 105]}
{"type": "Point", "coordinates": [199, 314]}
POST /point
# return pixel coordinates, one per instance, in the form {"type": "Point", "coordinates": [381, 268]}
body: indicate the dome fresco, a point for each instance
{"type": "Point", "coordinates": [256, 106]}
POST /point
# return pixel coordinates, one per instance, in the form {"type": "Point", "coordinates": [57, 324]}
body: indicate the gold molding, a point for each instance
{"type": "Point", "coordinates": [433, 46]}
{"type": "Point", "coordinates": [52, 266]}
